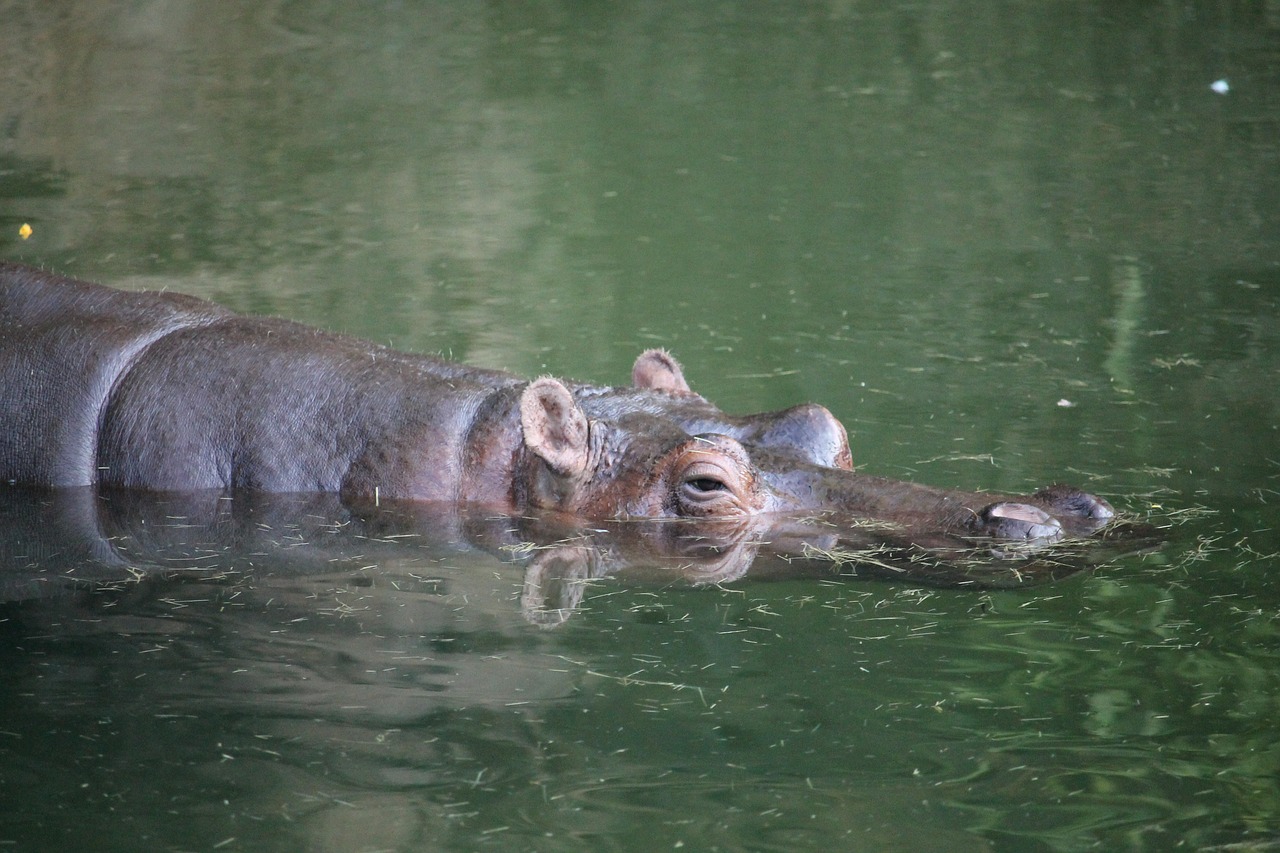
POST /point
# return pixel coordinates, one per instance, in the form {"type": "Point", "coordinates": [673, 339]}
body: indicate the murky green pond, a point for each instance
{"type": "Point", "coordinates": [1007, 244]}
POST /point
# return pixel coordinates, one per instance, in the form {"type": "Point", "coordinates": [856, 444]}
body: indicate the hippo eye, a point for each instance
{"type": "Point", "coordinates": [705, 489]}
{"type": "Point", "coordinates": [714, 478]}
{"type": "Point", "coordinates": [706, 484]}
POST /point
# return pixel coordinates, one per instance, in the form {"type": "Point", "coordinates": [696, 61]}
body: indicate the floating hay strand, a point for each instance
{"type": "Point", "coordinates": [874, 556]}
{"type": "Point", "coordinates": [632, 681]}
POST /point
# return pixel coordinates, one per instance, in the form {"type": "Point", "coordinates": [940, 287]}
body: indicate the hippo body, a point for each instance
{"type": "Point", "coordinates": [161, 391]}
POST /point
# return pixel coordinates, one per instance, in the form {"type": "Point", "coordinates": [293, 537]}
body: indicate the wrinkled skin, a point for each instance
{"type": "Point", "coordinates": [160, 391]}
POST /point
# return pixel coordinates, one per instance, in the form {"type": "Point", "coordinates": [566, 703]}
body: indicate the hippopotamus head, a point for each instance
{"type": "Point", "coordinates": [658, 450]}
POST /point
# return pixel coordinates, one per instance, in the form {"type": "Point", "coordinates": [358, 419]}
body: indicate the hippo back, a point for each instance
{"type": "Point", "coordinates": [63, 346]}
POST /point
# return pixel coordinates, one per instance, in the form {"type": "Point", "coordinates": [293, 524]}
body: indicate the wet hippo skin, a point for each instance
{"type": "Point", "coordinates": [161, 391]}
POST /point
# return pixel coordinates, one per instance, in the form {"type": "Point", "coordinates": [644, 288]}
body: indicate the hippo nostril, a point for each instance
{"type": "Point", "coordinates": [1043, 531]}
{"type": "Point", "coordinates": [1009, 520]}
{"type": "Point", "coordinates": [1072, 501]}
{"type": "Point", "coordinates": [1101, 510]}
{"type": "Point", "coordinates": [1088, 506]}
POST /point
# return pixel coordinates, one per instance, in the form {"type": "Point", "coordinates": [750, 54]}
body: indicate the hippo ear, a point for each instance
{"type": "Point", "coordinates": [657, 370]}
{"type": "Point", "coordinates": [554, 427]}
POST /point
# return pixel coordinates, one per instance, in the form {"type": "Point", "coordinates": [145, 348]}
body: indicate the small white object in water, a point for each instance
{"type": "Point", "coordinates": [1220, 86]}
{"type": "Point", "coordinates": [1064, 403]}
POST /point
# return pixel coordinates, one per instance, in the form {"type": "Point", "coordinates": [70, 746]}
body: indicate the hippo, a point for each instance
{"type": "Point", "coordinates": [165, 392]}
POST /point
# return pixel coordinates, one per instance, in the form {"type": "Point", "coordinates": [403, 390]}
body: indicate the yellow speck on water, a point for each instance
{"type": "Point", "coordinates": [25, 231]}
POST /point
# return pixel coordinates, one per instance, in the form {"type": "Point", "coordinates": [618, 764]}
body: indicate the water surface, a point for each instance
{"type": "Point", "coordinates": [1005, 244]}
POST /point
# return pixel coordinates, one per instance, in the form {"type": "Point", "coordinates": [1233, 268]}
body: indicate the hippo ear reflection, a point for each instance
{"type": "Point", "coordinates": [557, 578]}
{"type": "Point", "coordinates": [554, 583]}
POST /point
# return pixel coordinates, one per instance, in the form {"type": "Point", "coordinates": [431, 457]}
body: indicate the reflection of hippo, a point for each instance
{"type": "Point", "coordinates": [167, 392]}
{"type": "Point", "coordinates": [55, 540]}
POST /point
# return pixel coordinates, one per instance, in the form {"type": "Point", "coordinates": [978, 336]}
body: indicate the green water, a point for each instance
{"type": "Point", "coordinates": [1006, 244]}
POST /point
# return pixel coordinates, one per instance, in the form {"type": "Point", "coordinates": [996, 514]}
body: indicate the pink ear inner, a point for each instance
{"type": "Point", "coordinates": [656, 370]}
{"type": "Point", "coordinates": [554, 427]}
